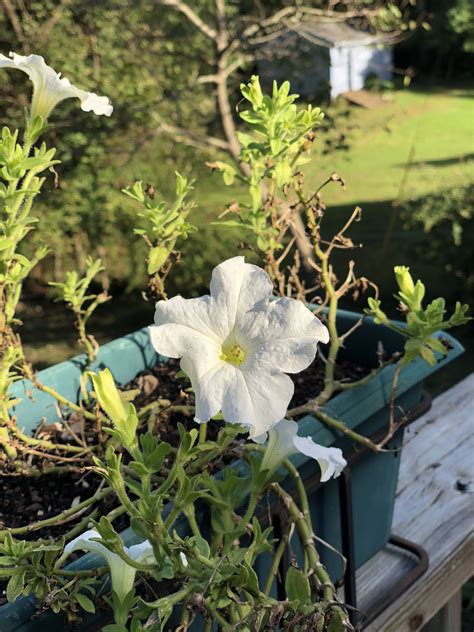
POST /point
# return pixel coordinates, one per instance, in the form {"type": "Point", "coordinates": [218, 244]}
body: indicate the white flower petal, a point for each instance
{"type": "Point", "coordinates": [84, 542]}
{"type": "Point", "coordinates": [122, 574]}
{"type": "Point", "coordinates": [280, 443]}
{"type": "Point", "coordinates": [210, 389]}
{"type": "Point", "coordinates": [258, 397]}
{"type": "Point", "coordinates": [176, 341]}
{"type": "Point", "coordinates": [238, 289]}
{"type": "Point", "coordinates": [142, 552]}
{"type": "Point", "coordinates": [199, 315]}
{"type": "Point", "coordinates": [49, 88]}
{"type": "Point", "coordinates": [184, 330]}
{"type": "Point", "coordinates": [286, 334]}
{"type": "Point", "coordinates": [331, 460]}
{"type": "Point", "coordinates": [92, 102]}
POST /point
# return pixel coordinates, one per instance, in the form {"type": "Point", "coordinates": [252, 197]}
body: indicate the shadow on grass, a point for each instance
{"type": "Point", "coordinates": [440, 162]}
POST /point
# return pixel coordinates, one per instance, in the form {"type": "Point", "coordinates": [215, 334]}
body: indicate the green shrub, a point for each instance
{"type": "Point", "coordinates": [447, 219]}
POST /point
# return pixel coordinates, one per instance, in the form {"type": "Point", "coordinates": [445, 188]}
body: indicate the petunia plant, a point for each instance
{"type": "Point", "coordinates": [24, 164]}
{"type": "Point", "coordinates": [195, 499]}
{"type": "Point", "coordinates": [161, 226]}
{"type": "Point", "coordinates": [73, 291]}
{"type": "Point", "coordinates": [275, 145]}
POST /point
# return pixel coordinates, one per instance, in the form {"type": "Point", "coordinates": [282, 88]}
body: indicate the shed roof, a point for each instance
{"type": "Point", "coordinates": [332, 34]}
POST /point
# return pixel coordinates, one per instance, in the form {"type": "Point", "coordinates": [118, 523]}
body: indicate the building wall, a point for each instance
{"type": "Point", "coordinates": [351, 65]}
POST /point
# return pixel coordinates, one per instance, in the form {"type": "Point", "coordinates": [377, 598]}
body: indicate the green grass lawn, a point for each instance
{"type": "Point", "coordinates": [417, 143]}
{"type": "Point", "coordinates": [425, 138]}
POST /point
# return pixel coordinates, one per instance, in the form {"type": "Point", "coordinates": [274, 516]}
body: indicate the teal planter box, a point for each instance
{"type": "Point", "coordinates": [365, 409]}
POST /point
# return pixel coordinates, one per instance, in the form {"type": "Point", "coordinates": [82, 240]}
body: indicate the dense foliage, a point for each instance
{"type": "Point", "coordinates": [448, 219]}
{"type": "Point", "coordinates": [150, 60]}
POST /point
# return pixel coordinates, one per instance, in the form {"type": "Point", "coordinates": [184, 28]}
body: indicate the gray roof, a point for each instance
{"type": "Point", "coordinates": [331, 34]}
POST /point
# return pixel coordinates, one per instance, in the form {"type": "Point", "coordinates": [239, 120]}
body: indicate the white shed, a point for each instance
{"type": "Point", "coordinates": [319, 55]}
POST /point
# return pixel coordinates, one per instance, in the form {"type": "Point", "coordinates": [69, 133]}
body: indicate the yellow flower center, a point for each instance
{"type": "Point", "coordinates": [233, 354]}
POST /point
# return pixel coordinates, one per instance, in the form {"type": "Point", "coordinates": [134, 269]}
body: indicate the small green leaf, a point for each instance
{"type": "Point", "coordinates": [16, 584]}
{"type": "Point", "coordinates": [437, 346]}
{"type": "Point", "coordinates": [85, 603]}
{"type": "Point", "coordinates": [282, 173]}
{"type": "Point", "coordinates": [428, 356]}
{"type": "Point", "coordinates": [297, 586]}
{"type": "Point", "coordinates": [201, 545]}
{"type": "Point", "coordinates": [157, 258]}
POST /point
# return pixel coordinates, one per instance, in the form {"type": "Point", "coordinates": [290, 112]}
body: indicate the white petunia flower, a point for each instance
{"type": "Point", "coordinates": [49, 88]}
{"type": "Point", "coordinates": [236, 345]}
{"type": "Point", "coordinates": [282, 440]}
{"type": "Point", "coordinates": [122, 575]}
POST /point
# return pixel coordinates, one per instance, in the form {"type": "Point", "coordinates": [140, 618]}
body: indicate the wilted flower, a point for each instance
{"type": "Point", "coordinates": [49, 88]}
{"type": "Point", "coordinates": [236, 345]}
{"type": "Point", "coordinates": [122, 575]}
{"type": "Point", "coordinates": [282, 440]}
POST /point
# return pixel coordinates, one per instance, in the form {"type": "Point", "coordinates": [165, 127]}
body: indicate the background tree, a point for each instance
{"type": "Point", "coordinates": [172, 71]}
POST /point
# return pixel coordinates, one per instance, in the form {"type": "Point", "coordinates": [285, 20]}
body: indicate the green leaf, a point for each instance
{"type": "Point", "coordinates": [297, 586]}
{"type": "Point", "coordinates": [85, 603]}
{"type": "Point", "coordinates": [201, 545]}
{"type": "Point", "coordinates": [157, 258]}
{"type": "Point", "coordinates": [427, 355]}
{"type": "Point", "coordinates": [16, 584]}
{"type": "Point", "coordinates": [256, 195]}
{"type": "Point", "coordinates": [437, 345]}
{"type": "Point", "coordinates": [138, 527]}
{"type": "Point", "coordinates": [282, 173]}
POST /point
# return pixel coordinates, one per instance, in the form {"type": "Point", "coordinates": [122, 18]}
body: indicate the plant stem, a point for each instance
{"type": "Point", "coordinates": [47, 445]}
{"type": "Point", "coordinates": [301, 489]}
{"type": "Point", "coordinates": [276, 560]}
{"type": "Point", "coordinates": [333, 423]}
{"type": "Point", "coordinates": [63, 400]}
{"type": "Point", "coordinates": [64, 516]}
{"type": "Point", "coordinates": [331, 320]}
{"type": "Point", "coordinates": [190, 514]}
{"type": "Point", "coordinates": [344, 386]}
{"type": "Point", "coordinates": [306, 537]}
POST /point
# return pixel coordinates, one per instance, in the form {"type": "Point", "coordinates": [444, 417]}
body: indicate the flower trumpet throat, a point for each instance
{"type": "Point", "coordinates": [233, 354]}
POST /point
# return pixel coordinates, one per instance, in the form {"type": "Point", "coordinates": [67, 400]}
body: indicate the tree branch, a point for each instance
{"type": "Point", "coordinates": [14, 19]}
{"type": "Point", "coordinates": [207, 143]}
{"type": "Point", "coordinates": [191, 16]}
{"type": "Point", "coordinates": [47, 27]}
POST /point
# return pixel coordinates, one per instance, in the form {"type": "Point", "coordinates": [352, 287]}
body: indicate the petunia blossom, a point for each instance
{"type": "Point", "coordinates": [237, 345]}
{"type": "Point", "coordinates": [122, 575]}
{"type": "Point", "coordinates": [282, 440]}
{"type": "Point", "coordinates": [49, 88]}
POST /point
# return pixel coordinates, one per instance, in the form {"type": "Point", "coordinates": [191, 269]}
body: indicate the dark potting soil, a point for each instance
{"type": "Point", "coordinates": [29, 499]}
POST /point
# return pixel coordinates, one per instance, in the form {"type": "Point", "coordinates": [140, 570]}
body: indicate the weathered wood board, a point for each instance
{"type": "Point", "coordinates": [433, 510]}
